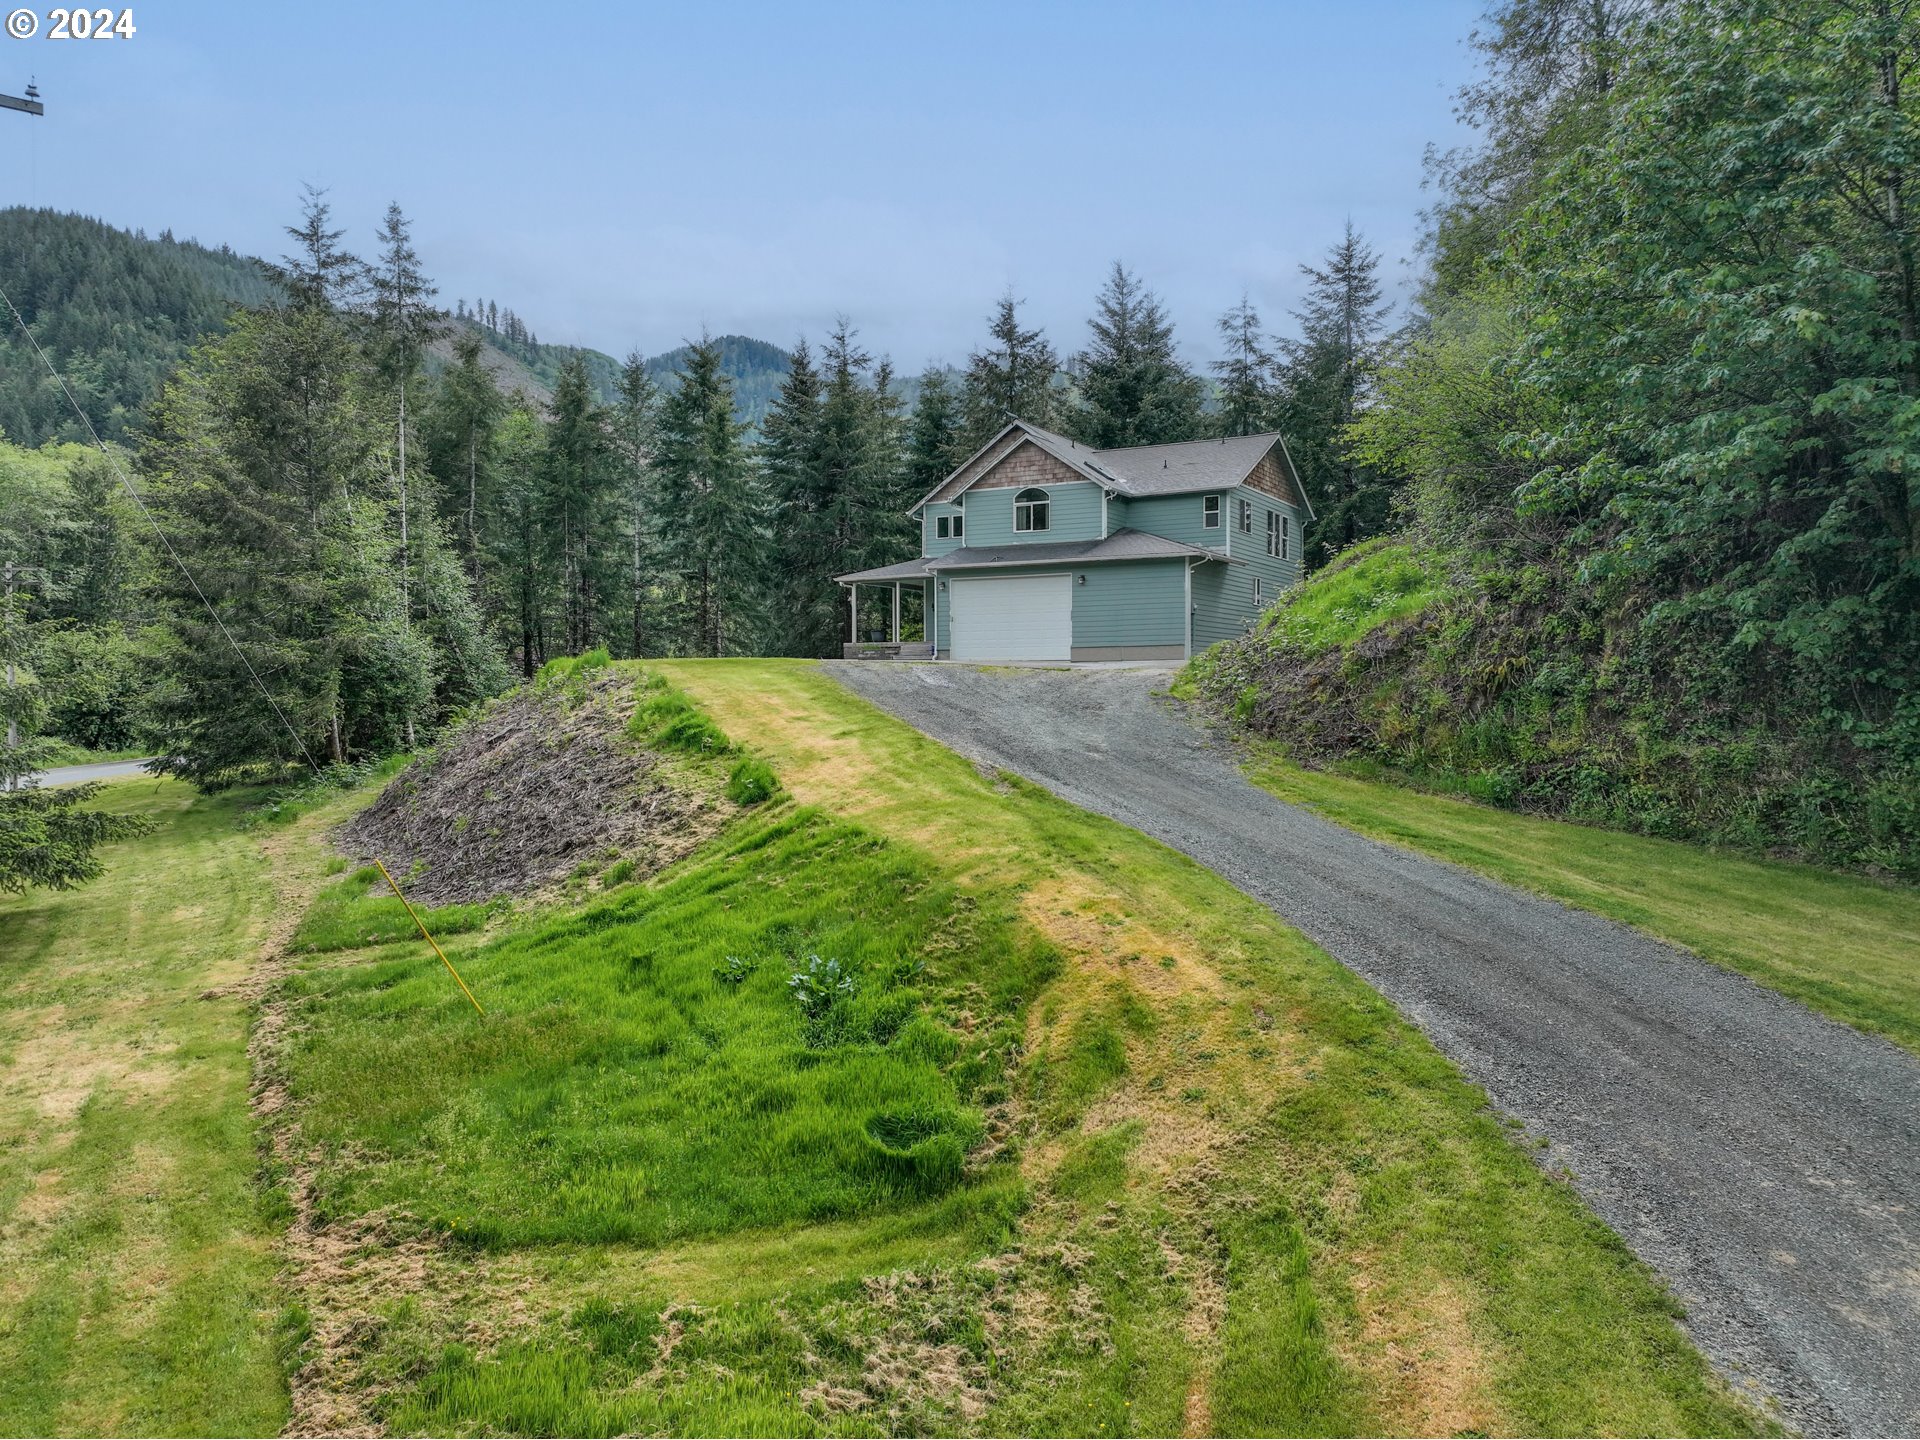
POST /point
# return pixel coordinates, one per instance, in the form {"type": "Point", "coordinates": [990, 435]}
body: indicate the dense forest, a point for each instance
{"type": "Point", "coordinates": [1647, 444]}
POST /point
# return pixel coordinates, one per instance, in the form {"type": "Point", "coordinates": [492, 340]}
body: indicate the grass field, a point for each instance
{"type": "Point", "coordinates": [1843, 944]}
{"type": "Point", "coordinates": [136, 1250]}
{"type": "Point", "coordinates": [1058, 1134]}
{"type": "Point", "coordinates": [1293, 1209]}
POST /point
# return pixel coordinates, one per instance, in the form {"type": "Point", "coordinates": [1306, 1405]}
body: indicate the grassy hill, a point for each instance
{"type": "Point", "coordinates": [1087, 1143]}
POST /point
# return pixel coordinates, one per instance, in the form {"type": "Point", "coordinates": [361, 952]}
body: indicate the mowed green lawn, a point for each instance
{"type": "Point", "coordinates": [136, 1254]}
{"type": "Point", "coordinates": [1847, 945]}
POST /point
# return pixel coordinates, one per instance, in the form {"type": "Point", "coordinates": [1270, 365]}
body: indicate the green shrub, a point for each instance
{"type": "Point", "coordinates": [751, 782]}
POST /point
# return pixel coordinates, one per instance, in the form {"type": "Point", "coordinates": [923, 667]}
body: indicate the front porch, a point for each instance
{"type": "Point", "coordinates": [895, 624]}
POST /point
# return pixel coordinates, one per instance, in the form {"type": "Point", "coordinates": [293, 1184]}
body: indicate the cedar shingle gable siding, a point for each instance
{"type": "Point", "coordinates": [1269, 477]}
{"type": "Point", "coordinates": [1027, 464]}
{"type": "Point", "coordinates": [980, 464]}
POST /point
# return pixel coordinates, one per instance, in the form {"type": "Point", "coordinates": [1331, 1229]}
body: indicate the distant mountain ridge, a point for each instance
{"type": "Point", "coordinates": [117, 309]}
{"type": "Point", "coordinates": [756, 367]}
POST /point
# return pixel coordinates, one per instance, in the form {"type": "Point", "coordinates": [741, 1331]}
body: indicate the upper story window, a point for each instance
{"type": "Point", "coordinates": [1243, 514]}
{"type": "Point", "coordinates": [1278, 535]}
{"type": "Point", "coordinates": [1032, 511]}
{"type": "Point", "coordinates": [1210, 512]}
{"type": "Point", "coordinates": [1259, 594]}
{"type": "Point", "coordinates": [948, 527]}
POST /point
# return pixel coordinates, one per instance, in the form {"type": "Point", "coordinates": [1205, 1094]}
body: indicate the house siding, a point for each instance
{"type": "Point", "coordinates": [1076, 515]}
{"type": "Point", "coordinates": [1223, 594]}
{"type": "Point", "coordinates": [930, 544]}
{"type": "Point", "coordinates": [1179, 517]}
{"type": "Point", "coordinates": [1123, 604]}
{"type": "Point", "coordinates": [1130, 602]}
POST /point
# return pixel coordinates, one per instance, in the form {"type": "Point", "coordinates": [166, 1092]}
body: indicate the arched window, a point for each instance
{"type": "Point", "coordinates": [1032, 510]}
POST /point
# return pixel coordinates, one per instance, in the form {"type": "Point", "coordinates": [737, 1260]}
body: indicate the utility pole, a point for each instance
{"type": "Point", "coordinates": [30, 102]}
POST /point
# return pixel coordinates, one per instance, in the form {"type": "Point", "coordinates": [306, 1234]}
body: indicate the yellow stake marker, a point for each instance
{"type": "Point", "coordinates": [430, 940]}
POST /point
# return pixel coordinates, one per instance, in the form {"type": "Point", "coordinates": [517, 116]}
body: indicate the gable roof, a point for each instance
{"type": "Point", "coordinates": [1140, 472]}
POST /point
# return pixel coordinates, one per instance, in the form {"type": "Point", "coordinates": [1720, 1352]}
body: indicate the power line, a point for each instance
{"type": "Point", "coordinates": [114, 461]}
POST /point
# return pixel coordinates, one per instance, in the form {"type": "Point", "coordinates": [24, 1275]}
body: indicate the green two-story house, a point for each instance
{"type": "Point", "coordinates": [1038, 548]}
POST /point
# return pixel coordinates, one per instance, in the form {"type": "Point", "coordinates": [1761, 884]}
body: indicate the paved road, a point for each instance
{"type": "Point", "coordinates": [1764, 1159]}
{"type": "Point", "coordinates": [76, 774]}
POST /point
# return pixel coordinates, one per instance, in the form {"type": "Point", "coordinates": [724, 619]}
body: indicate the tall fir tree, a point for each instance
{"type": "Point", "coordinates": [632, 432]}
{"type": "Point", "coordinates": [1325, 379]}
{"type": "Point", "coordinates": [403, 320]}
{"type": "Point", "coordinates": [257, 463]}
{"type": "Point", "coordinates": [710, 509]}
{"type": "Point", "coordinates": [934, 433]}
{"type": "Point", "coordinates": [789, 461]}
{"type": "Point", "coordinates": [518, 570]}
{"type": "Point", "coordinates": [1132, 388]}
{"type": "Point", "coordinates": [1011, 379]}
{"type": "Point", "coordinates": [1244, 375]}
{"type": "Point", "coordinates": [461, 424]}
{"type": "Point", "coordinates": [578, 491]}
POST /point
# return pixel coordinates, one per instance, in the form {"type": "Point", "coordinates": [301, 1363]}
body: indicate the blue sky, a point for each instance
{"type": "Point", "coordinates": [625, 174]}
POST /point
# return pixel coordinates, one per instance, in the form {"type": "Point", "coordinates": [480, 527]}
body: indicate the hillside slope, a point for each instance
{"type": "Point", "coordinates": [117, 309]}
{"type": "Point", "coordinates": [1517, 687]}
{"type": "Point", "coordinates": [114, 309]}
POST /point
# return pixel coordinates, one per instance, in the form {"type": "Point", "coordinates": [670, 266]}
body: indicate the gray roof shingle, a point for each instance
{"type": "Point", "coordinates": [1141, 471]}
{"type": "Point", "coordinates": [1121, 545]}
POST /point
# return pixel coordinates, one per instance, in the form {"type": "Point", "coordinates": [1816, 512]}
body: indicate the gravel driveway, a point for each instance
{"type": "Point", "coordinates": [1762, 1158]}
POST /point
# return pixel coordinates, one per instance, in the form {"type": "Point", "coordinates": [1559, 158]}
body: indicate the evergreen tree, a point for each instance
{"type": "Point", "coordinates": [710, 508]}
{"type": "Point", "coordinates": [1245, 374]}
{"type": "Point", "coordinates": [518, 546]}
{"type": "Point", "coordinates": [319, 274]}
{"type": "Point", "coordinates": [632, 432]}
{"type": "Point", "coordinates": [1133, 390]}
{"type": "Point", "coordinates": [577, 519]}
{"type": "Point", "coordinates": [934, 434]}
{"type": "Point", "coordinates": [789, 460]}
{"type": "Point", "coordinates": [1324, 385]}
{"type": "Point", "coordinates": [461, 425]}
{"type": "Point", "coordinates": [1011, 379]}
{"type": "Point", "coordinates": [256, 466]}
{"type": "Point", "coordinates": [402, 321]}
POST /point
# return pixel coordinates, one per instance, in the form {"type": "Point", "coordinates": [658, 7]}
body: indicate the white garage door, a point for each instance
{"type": "Point", "coordinates": [1020, 617]}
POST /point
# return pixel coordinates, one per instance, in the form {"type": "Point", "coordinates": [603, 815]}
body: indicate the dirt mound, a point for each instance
{"type": "Point", "coordinates": [524, 794]}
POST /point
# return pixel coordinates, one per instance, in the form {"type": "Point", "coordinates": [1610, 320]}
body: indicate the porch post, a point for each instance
{"type": "Point", "coordinates": [896, 612]}
{"type": "Point", "coordinates": [853, 614]}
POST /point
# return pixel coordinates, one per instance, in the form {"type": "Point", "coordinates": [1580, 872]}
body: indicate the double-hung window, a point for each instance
{"type": "Point", "coordinates": [1274, 544]}
{"type": "Point", "coordinates": [1258, 599]}
{"type": "Point", "coordinates": [1210, 512]}
{"type": "Point", "coordinates": [1031, 511]}
{"type": "Point", "coordinates": [1244, 514]}
{"type": "Point", "coordinates": [948, 527]}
